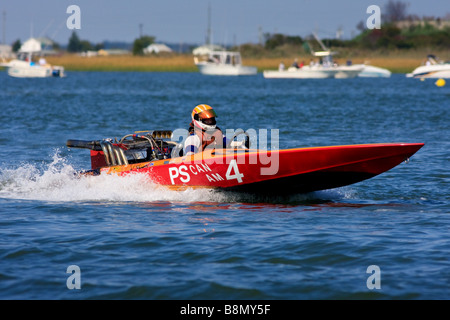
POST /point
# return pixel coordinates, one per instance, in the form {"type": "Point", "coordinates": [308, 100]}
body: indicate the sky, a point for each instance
{"type": "Point", "coordinates": [186, 21]}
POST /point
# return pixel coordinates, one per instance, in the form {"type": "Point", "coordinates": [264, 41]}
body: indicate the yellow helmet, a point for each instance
{"type": "Point", "coordinates": [204, 117]}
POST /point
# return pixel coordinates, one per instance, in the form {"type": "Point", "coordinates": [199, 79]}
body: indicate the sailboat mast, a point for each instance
{"type": "Point", "coordinates": [4, 27]}
{"type": "Point", "coordinates": [208, 31]}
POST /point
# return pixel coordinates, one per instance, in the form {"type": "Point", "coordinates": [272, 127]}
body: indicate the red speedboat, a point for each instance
{"type": "Point", "coordinates": [288, 171]}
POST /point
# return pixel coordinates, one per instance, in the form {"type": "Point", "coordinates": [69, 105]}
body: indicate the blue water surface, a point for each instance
{"type": "Point", "coordinates": [132, 240]}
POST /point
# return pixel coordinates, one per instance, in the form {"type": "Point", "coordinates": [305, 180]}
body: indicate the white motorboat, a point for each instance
{"type": "Point", "coordinates": [341, 72]}
{"type": "Point", "coordinates": [26, 69]}
{"type": "Point", "coordinates": [434, 68]}
{"type": "Point", "coordinates": [305, 72]}
{"type": "Point", "coordinates": [374, 72]}
{"type": "Point", "coordinates": [223, 63]}
{"type": "Point", "coordinates": [350, 71]}
{"type": "Point", "coordinates": [29, 65]}
{"type": "Point", "coordinates": [326, 68]}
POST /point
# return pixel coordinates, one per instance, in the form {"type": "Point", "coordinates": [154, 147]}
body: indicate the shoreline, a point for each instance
{"type": "Point", "coordinates": [404, 62]}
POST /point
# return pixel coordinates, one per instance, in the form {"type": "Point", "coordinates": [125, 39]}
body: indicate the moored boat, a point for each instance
{"type": "Point", "coordinates": [305, 72]}
{"type": "Point", "coordinates": [30, 63]}
{"type": "Point", "coordinates": [223, 63]}
{"type": "Point", "coordinates": [374, 72]}
{"type": "Point", "coordinates": [297, 170]}
{"type": "Point", "coordinates": [326, 68]}
{"type": "Point", "coordinates": [433, 68]}
{"type": "Point", "coordinates": [342, 71]}
{"type": "Point", "coordinates": [350, 71]}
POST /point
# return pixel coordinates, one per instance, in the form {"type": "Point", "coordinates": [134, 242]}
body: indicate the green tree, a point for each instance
{"type": "Point", "coordinates": [141, 43]}
{"type": "Point", "coordinates": [75, 44]}
{"type": "Point", "coordinates": [395, 11]}
{"type": "Point", "coordinates": [99, 46]}
{"type": "Point", "coordinates": [16, 45]}
{"type": "Point", "coordinates": [86, 45]}
{"type": "Point", "coordinates": [276, 40]}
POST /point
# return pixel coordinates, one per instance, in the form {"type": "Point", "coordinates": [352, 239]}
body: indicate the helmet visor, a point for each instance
{"type": "Point", "coordinates": [207, 114]}
{"type": "Point", "coordinates": [209, 121]}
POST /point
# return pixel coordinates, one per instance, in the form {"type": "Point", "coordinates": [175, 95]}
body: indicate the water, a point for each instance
{"type": "Point", "coordinates": [132, 240]}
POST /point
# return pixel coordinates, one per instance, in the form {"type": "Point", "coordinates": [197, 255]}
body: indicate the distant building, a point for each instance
{"type": "Point", "coordinates": [89, 53]}
{"type": "Point", "coordinates": [436, 23]}
{"type": "Point", "coordinates": [157, 48]}
{"type": "Point", "coordinates": [115, 52]}
{"type": "Point", "coordinates": [6, 52]}
{"type": "Point", "coordinates": [103, 52]}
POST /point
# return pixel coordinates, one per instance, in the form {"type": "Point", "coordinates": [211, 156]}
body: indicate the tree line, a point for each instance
{"type": "Point", "coordinates": [389, 36]}
{"type": "Point", "coordinates": [415, 33]}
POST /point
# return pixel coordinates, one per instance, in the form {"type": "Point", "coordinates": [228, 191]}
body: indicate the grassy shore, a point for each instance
{"type": "Point", "coordinates": [396, 62]}
{"type": "Point", "coordinates": [71, 62]}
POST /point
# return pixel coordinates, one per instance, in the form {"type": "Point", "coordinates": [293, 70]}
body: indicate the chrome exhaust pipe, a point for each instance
{"type": "Point", "coordinates": [110, 157]}
{"type": "Point", "coordinates": [123, 157]}
{"type": "Point", "coordinates": [117, 156]}
{"type": "Point", "coordinates": [111, 153]}
{"type": "Point", "coordinates": [120, 156]}
{"type": "Point", "coordinates": [106, 153]}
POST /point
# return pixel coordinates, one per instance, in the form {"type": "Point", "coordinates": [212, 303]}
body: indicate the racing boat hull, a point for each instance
{"type": "Point", "coordinates": [288, 171]}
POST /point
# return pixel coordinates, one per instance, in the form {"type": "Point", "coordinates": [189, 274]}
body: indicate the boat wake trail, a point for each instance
{"type": "Point", "coordinates": [58, 181]}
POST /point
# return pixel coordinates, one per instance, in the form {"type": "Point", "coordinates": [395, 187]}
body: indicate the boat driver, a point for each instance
{"type": "Point", "coordinates": [203, 132]}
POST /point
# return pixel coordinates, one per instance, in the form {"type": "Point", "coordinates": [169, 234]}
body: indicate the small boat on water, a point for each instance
{"type": "Point", "coordinates": [326, 68]}
{"type": "Point", "coordinates": [241, 168]}
{"type": "Point", "coordinates": [305, 72]}
{"type": "Point", "coordinates": [348, 71]}
{"type": "Point", "coordinates": [30, 64]}
{"type": "Point", "coordinates": [433, 68]}
{"type": "Point", "coordinates": [321, 72]}
{"type": "Point", "coordinates": [341, 71]}
{"type": "Point", "coordinates": [223, 63]}
{"type": "Point", "coordinates": [374, 72]}
{"type": "Point", "coordinates": [23, 68]}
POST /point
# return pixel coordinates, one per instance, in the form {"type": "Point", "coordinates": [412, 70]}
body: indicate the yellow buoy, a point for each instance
{"type": "Point", "coordinates": [440, 82]}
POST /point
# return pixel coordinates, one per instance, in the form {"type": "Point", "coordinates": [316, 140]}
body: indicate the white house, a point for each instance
{"type": "Point", "coordinates": [157, 48]}
{"type": "Point", "coordinates": [6, 51]}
